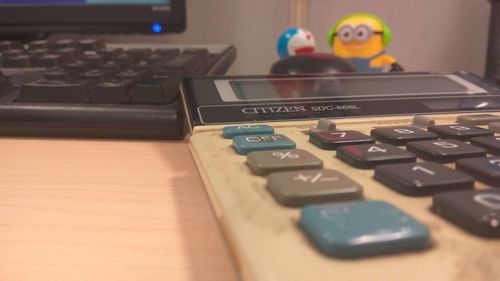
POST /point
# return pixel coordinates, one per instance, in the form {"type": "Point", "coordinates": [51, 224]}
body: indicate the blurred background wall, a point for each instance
{"type": "Point", "coordinates": [427, 34]}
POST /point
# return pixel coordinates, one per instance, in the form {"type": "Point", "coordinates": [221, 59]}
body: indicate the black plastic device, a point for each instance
{"type": "Point", "coordinates": [29, 17]}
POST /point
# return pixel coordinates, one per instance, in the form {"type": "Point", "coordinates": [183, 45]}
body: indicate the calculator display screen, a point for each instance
{"type": "Point", "coordinates": [247, 99]}
{"type": "Point", "coordinates": [344, 87]}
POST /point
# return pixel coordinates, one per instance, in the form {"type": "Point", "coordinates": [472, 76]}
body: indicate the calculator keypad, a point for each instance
{"type": "Point", "coordinates": [296, 178]}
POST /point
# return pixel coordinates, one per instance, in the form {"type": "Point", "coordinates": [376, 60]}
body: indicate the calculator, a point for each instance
{"type": "Point", "coordinates": [390, 176]}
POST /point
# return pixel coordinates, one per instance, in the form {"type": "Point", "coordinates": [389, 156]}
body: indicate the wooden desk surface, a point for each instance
{"type": "Point", "coordinates": [105, 210]}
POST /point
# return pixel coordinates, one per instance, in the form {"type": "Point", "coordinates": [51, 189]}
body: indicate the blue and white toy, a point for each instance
{"type": "Point", "coordinates": [295, 41]}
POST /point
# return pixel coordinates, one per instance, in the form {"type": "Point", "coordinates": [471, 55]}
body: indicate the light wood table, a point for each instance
{"type": "Point", "coordinates": [105, 210]}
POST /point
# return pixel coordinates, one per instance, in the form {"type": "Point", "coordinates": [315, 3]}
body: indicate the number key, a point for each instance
{"type": "Point", "coordinates": [444, 151]}
{"type": "Point", "coordinates": [486, 170]}
{"type": "Point", "coordinates": [459, 131]}
{"type": "Point", "coordinates": [332, 140]}
{"type": "Point", "coordinates": [401, 135]}
{"type": "Point", "coordinates": [367, 156]}
{"type": "Point", "coordinates": [422, 178]}
{"type": "Point", "coordinates": [477, 211]}
{"type": "Point", "coordinates": [491, 144]}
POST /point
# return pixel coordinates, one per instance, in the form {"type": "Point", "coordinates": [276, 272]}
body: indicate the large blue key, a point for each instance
{"type": "Point", "coordinates": [245, 144]}
{"type": "Point", "coordinates": [230, 132]}
{"type": "Point", "coordinates": [362, 228]}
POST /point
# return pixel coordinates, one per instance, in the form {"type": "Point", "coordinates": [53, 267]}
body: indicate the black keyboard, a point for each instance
{"type": "Point", "coordinates": [86, 88]}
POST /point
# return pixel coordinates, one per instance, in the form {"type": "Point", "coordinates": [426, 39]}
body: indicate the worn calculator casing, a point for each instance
{"type": "Point", "coordinates": [265, 237]}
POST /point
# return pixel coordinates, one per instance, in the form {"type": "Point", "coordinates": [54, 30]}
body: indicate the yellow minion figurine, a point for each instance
{"type": "Point", "coordinates": [362, 38]}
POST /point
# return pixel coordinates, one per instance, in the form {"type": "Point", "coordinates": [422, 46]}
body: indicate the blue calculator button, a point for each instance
{"type": "Point", "coordinates": [362, 228]}
{"type": "Point", "coordinates": [245, 144]}
{"type": "Point", "coordinates": [230, 132]}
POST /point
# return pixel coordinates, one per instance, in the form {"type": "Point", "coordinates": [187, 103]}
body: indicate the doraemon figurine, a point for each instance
{"type": "Point", "coordinates": [295, 41]}
{"type": "Point", "coordinates": [362, 39]}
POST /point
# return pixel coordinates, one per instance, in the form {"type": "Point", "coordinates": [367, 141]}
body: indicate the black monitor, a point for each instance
{"type": "Point", "coordinates": [27, 17]}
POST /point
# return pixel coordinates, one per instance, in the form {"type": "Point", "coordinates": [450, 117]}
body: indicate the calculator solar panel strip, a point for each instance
{"type": "Point", "coordinates": [383, 226]}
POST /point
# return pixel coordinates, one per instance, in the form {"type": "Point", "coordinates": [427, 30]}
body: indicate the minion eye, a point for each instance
{"type": "Point", "coordinates": [363, 32]}
{"type": "Point", "coordinates": [345, 33]}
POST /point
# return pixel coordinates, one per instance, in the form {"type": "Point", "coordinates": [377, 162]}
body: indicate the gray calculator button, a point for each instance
{"type": "Point", "coordinates": [298, 188]}
{"type": "Point", "coordinates": [265, 162]}
{"type": "Point", "coordinates": [423, 121]}
{"type": "Point", "coordinates": [495, 127]}
{"type": "Point", "coordinates": [477, 119]}
{"type": "Point", "coordinates": [324, 124]}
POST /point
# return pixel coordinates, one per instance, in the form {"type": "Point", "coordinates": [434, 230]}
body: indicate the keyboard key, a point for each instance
{"type": "Point", "coordinates": [298, 188]}
{"type": "Point", "coordinates": [94, 74]}
{"type": "Point", "coordinates": [265, 162]}
{"type": "Point", "coordinates": [202, 51]}
{"type": "Point", "coordinates": [69, 54]}
{"type": "Point", "coordinates": [129, 75]}
{"type": "Point", "coordinates": [79, 66]}
{"type": "Point", "coordinates": [362, 228]}
{"type": "Point", "coordinates": [14, 53]}
{"type": "Point", "coordinates": [332, 140]}
{"type": "Point", "coordinates": [53, 91]}
{"type": "Point", "coordinates": [486, 170]}
{"type": "Point", "coordinates": [477, 119]}
{"type": "Point", "coordinates": [459, 131]}
{"type": "Point", "coordinates": [477, 211]}
{"type": "Point", "coordinates": [401, 135]}
{"type": "Point", "coordinates": [144, 93]}
{"type": "Point", "coordinates": [90, 44]}
{"type": "Point", "coordinates": [8, 45]}
{"type": "Point", "coordinates": [245, 144]}
{"type": "Point", "coordinates": [420, 179]}
{"type": "Point", "coordinates": [47, 61]}
{"type": "Point", "coordinates": [114, 91]}
{"type": "Point", "coordinates": [93, 59]}
{"type": "Point", "coordinates": [230, 132]}
{"type": "Point", "coordinates": [139, 53]}
{"type": "Point", "coordinates": [39, 44]}
{"type": "Point", "coordinates": [63, 43]}
{"type": "Point", "coordinates": [108, 54]}
{"type": "Point", "coordinates": [57, 74]}
{"type": "Point", "coordinates": [491, 144]}
{"type": "Point", "coordinates": [444, 151]}
{"type": "Point", "coordinates": [189, 62]}
{"type": "Point", "coordinates": [17, 61]}
{"type": "Point", "coordinates": [367, 156]}
{"type": "Point", "coordinates": [167, 53]}
{"type": "Point", "coordinates": [39, 52]}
